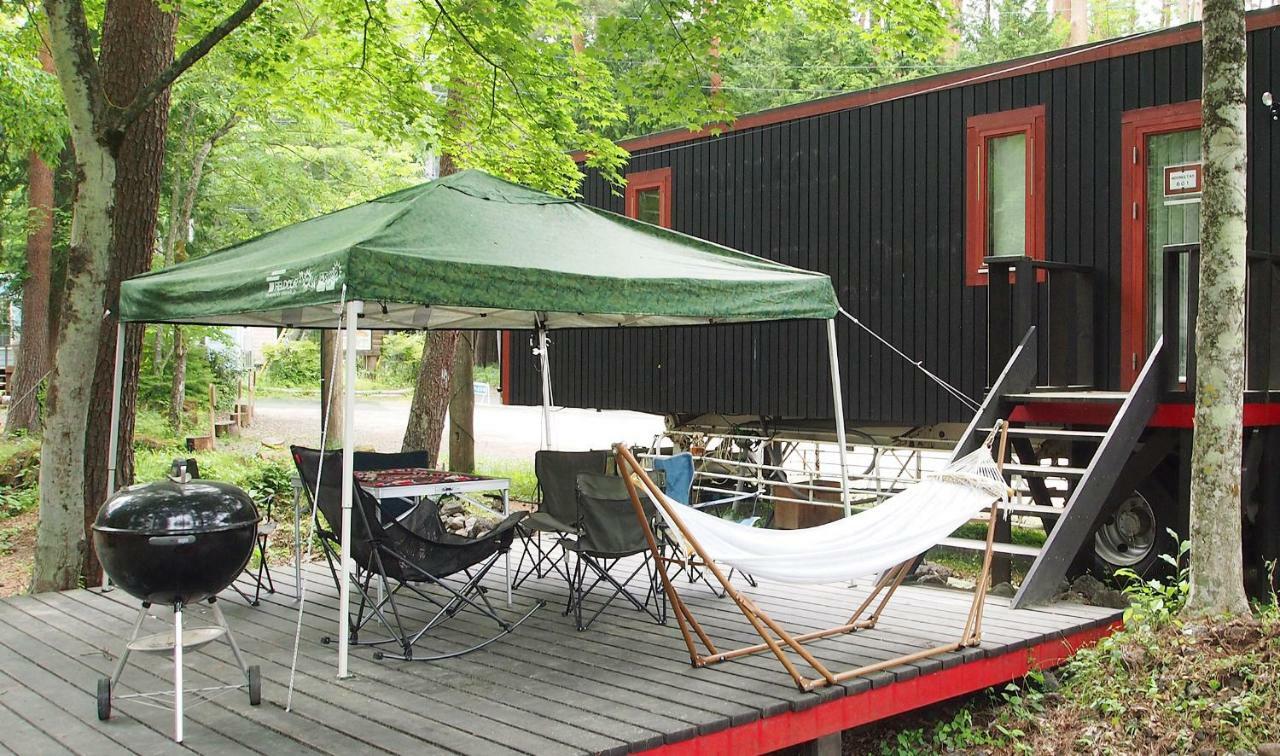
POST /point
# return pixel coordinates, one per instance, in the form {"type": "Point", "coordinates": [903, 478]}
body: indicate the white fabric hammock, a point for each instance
{"type": "Point", "coordinates": [898, 529]}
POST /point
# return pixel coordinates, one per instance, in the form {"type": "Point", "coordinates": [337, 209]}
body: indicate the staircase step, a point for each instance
{"type": "Point", "coordinates": [1041, 471]}
{"type": "Point", "coordinates": [1057, 434]}
{"type": "Point", "coordinates": [1030, 509]}
{"type": "Point", "coordinates": [970, 544]}
{"type": "Point", "coordinates": [1111, 397]}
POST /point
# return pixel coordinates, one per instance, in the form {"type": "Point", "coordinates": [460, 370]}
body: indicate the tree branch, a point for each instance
{"type": "Point", "coordinates": [126, 116]}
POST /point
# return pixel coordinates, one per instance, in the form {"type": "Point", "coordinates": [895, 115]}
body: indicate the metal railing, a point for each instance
{"type": "Point", "coordinates": [1181, 262]}
{"type": "Point", "coordinates": [1058, 298]}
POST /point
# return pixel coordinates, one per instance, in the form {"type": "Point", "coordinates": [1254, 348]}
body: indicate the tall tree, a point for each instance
{"type": "Point", "coordinates": [137, 46]}
{"type": "Point", "coordinates": [33, 352]}
{"type": "Point", "coordinates": [98, 126]}
{"type": "Point", "coordinates": [462, 405]}
{"type": "Point", "coordinates": [1217, 571]}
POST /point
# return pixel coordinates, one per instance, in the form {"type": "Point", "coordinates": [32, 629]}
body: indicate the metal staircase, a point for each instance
{"type": "Point", "coordinates": [1067, 491]}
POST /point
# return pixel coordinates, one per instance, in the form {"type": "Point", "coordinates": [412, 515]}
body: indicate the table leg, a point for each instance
{"type": "Point", "coordinates": [506, 511]}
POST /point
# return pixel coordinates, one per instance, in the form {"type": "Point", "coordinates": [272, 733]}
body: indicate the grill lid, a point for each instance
{"type": "Point", "coordinates": [168, 507]}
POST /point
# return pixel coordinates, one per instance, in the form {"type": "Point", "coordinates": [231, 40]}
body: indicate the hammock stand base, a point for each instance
{"type": "Point", "coordinates": [777, 639]}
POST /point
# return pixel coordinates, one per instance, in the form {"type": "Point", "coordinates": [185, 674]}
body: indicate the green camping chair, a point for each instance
{"type": "Point", "coordinates": [557, 512]}
{"type": "Point", "coordinates": [607, 532]}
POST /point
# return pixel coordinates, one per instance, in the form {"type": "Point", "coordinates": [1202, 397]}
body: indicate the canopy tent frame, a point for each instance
{"type": "Point", "coordinates": [350, 314]}
{"type": "Point", "coordinates": [383, 267]}
{"type": "Point", "coordinates": [775, 638]}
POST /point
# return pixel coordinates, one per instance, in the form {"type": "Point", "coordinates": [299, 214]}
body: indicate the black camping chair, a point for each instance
{"type": "Point", "coordinates": [260, 575]}
{"type": "Point", "coordinates": [557, 512]}
{"type": "Point", "coordinates": [404, 556]}
{"type": "Point", "coordinates": [392, 509]}
{"type": "Point", "coordinates": [607, 532]}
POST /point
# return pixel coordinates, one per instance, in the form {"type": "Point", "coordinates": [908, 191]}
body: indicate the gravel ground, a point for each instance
{"type": "Point", "coordinates": [502, 432]}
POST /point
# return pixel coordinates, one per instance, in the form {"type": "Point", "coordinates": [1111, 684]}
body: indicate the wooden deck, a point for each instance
{"type": "Point", "coordinates": [624, 685]}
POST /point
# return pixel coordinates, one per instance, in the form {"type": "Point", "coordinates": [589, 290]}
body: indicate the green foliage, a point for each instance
{"type": "Point", "coordinates": [524, 484]}
{"type": "Point", "coordinates": [401, 354]}
{"type": "Point", "coordinates": [211, 358]}
{"type": "Point", "coordinates": [1014, 30]}
{"type": "Point", "coordinates": [291, 364]}
{"type": "Point", "coordinates": [1156, 601]}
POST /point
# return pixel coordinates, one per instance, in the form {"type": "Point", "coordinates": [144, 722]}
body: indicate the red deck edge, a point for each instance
{"type": "Point", "coordinates": [1178, 35]}
{"type": "Point", "coordinates": [1256, 414]}
{"type": "Point", "coordinates": [794, 727]}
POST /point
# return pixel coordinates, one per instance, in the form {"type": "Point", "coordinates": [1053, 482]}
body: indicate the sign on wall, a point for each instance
{"type": "Point", "coordinates": [1183, 183]}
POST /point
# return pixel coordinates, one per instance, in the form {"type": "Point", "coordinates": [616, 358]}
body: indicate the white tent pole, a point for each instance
{"type": "Point", "coordinates": [350, 325]}
{"type": "Point", "coordinates": [117, 379]}
{"type": "Point", "coordinates": [838, 401]}
{"type": "Point", "coordinates": [113, 445]}
{"type": "Point", "coordinates": [546, 386]}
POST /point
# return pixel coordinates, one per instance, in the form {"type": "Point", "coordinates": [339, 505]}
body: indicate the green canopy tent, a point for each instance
{"type": "Point", "coordinates": [471, 251]}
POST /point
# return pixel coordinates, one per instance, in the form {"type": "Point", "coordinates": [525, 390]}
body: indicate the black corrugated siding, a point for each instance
{"type": "Point", "coordinates": [874, 197]}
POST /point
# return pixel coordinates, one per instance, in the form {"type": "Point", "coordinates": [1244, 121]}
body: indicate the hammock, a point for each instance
{"type": "Point", "coordinates": [869, 542]}
{"type": "Point", "coordinates": [886, 539]}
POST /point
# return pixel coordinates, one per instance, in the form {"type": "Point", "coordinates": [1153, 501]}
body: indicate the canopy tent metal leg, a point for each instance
{"type": "Point", "coordinates": [837, 399]}
{"type": "Point", "coordinates": [349, 328]}
{"type": "Point", "coordinates": [546, 386]}
{"type": "Point", "coordinates": [113, 446]}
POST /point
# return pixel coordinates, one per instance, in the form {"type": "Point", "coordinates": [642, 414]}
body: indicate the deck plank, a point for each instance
{"type": "Point", "coordinates": [624, 685]}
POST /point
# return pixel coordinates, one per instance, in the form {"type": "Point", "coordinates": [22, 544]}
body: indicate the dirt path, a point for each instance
{"type": "Point", "coordinates": [502, 432]}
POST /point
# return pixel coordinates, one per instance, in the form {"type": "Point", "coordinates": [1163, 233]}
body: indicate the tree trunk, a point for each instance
{"type": "Point", "coordinates": [431, 395]}
{"type": "Point", "coordinates": [462, 406]}
{"type": "Point", "coordinates": [1079, 18]}
{"type": "Point", "coordinates": [1217, 572]}
{"type": "Point", "coordinates": [137, 45]}
{"type": "Point", "coordinates": [177, 389]}
{"type": "Point", "coordinates": [332, 395]}
{"type": "Point", "coordinates": [64, 195]}
{"type": "Point", "coordinates": [431, 391]}
{"type": "Point", "coordinates": [33, 350]}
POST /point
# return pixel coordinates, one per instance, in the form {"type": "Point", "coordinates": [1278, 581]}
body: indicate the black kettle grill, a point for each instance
{"type": "Point", "coordinates": [177, 542]}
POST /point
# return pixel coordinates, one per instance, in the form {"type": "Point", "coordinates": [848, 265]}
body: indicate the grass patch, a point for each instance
{"type": "Point", "coordinates": [1164, 684]}
{"type": "Point", "coordinates": [524, 484]}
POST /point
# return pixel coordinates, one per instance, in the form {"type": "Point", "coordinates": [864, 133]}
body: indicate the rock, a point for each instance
{"type": "Point", "coordinates": [456, 522]}
{"type": "Point", "coordinates": [469, 524]}
{"type": "Point", "coordinates": [1051, 683]}
{"type": "Point", "coordinates": [961, 584]}
{"type": "Point", "coordinates": [1002, 589]}
{"type": "Point", "coordinates": [453, 508]}
{"type": "Point", "coordinates": [1086, 585]}
{"type": "Point", "coordinates": [937, 580]}
{"type": "Point", "coordinates": [1269, 749]}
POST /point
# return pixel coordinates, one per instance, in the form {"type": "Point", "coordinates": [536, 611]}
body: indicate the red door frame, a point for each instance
{"type": "Point", "coordinates": [1135, 127]}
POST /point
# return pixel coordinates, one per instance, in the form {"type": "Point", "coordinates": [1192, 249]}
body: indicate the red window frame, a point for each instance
{"type": "Point", "coordinates": [643, 181]}
{"type": "Point", "coordinates": [979, 130]}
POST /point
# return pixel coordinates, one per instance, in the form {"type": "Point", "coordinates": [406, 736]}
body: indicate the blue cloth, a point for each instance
{"type": "Point", "coordinates": [678, 470]}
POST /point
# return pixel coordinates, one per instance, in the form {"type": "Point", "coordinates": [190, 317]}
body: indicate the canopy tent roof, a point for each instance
{"type": "Point", "coordinates": [473, 251]}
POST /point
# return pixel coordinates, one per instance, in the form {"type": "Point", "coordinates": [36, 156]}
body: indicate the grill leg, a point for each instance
{"type": "Point", "coordinates": [231, 639]}
{"type": "Point", "coordinates": [124, 658]}
{"type": "Point", "coordinates": [177, 672]}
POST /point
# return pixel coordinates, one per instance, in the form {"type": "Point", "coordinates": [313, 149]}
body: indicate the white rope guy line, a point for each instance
{"type": "Point", "coordinates": [918, 364]}
{"type": "Point", "coordinates": [301, 587]}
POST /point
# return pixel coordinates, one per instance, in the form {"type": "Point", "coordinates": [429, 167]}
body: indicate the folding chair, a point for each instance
{"type": "Point", "coordinates": [675, 475]}
{"type": "Point", "coordinates": [557, 512]}
{"type": "Point", "coordinates": [607, 532]}
{"type": "Point", "coordinates": [405, 556]}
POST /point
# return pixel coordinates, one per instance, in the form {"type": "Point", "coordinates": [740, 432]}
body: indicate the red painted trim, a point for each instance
{"type": "Point", "coordinates": [979, 130]}
{"type": "Point", "coordinates": [794, 727]}
{"type": "Point", "coordinates": [504, 370]}
{"type": "Point", "coordinates": [1187, 33]}
{"type": "Point", "coordinates": [640, 181]}
{"type": "Point", "coordinates": [1256, 414]}
{"type": "Point", "coordinates": [1135, 127]}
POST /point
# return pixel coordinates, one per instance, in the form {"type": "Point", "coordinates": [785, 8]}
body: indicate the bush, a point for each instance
{"type": "Point", "coordinates": [401, 353]}
{"type": "Point", "coordinates": [292, 364]}
{"type": "Point", "coordinates": [211, 358]}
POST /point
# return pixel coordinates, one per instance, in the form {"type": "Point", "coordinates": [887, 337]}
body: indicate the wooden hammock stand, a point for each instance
{"type": "Point", "coordinates": [775, 638]}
